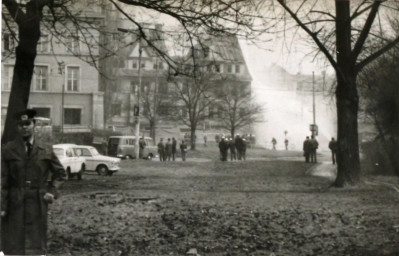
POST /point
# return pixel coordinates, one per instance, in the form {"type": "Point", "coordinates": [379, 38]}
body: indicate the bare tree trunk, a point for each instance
{"type": "Point", "coordinates": [29, 35]}
{"type": "Point", "coordinates": [152, 129]}
{"type": "Point", "coordinates": [192, 137]}
{"type": "Point", "coordinates": [347, 101]}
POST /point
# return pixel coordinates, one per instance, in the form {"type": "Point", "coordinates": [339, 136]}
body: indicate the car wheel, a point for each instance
{"type": "Point", "coordinates": [80, 173]}
{"type": "Point", "coordinates": [150, 156]}
{"type": "Point", "coordinates": [102, 170]}
{"type": "Point", "coordinates": [128, 157]}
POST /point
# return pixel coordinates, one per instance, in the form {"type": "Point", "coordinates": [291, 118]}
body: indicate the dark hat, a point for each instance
{"type": "Point", "coordinates": [25, 115]}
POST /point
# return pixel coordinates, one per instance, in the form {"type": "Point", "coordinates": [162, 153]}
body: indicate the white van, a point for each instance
{"type": "Point", "coordinates": [124, 147]}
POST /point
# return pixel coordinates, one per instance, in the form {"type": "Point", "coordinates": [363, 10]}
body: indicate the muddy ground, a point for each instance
{"type": "Point", "coordinates": [267, 205]}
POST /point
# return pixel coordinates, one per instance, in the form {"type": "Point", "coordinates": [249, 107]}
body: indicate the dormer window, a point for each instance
{"type": "Point", "coordinates": [238, 68]}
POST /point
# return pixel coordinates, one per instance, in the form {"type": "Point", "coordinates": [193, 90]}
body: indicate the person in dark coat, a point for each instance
{"type": "Point", "coordinates": [239, 143]}
{"type": "Point", "coordinates": [274, 142]}
{"type": "Point", "coordinates": [168, 150]}
{"type": "Point", "coordinates": [232, 147]}
{"type": "Point", "coordinates": [142, 146]}
{"type": "Point", "coordinates": [306, 149]}
{"type": "Point", "coordinates": [286, 144]}
{"type": "Point", "coordinates": [223, 147]}
{"type": "Point", "coordinates": [174, 145]}
{"type": "Point", "coordinates": [161, 150]}
{"type": "Point", "coordinates": [332, 145]}
{"type": "Point", "coordinates": [313, 144]}
{"type": "Point", "coordinates": [183, 150]}
{"type": "Point", "coordinates": [31, 175]}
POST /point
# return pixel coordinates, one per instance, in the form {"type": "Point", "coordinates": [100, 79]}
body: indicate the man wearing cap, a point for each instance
{"type": "Point", "coordinates": [30, 177]}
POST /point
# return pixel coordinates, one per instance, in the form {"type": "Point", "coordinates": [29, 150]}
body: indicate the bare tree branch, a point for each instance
{"type": "Point", "coordinates": [365, 31]}
{"type": "Point", "coordinates": [377, 54]}
{"type": "Point", "coordinates": [312, 34]}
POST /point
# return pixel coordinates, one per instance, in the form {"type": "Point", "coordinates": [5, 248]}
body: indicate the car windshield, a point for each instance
{"type": "Point", "coordinates": [94, 152]}
{"type": "Point", "coordinates": [58, 151]}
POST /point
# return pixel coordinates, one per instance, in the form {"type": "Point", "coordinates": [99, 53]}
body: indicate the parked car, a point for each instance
{"type": "Point", "coordinates": [103, 165]}
{"type": "Point", "coordinates": [73, 164]}
{"type": "Point", "coordinates": [124, 147]}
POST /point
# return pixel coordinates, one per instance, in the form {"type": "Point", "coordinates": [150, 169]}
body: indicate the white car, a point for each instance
{"type": "Point", "coordinates": [72, 163]}
{"type": "Point", "coordinates": [103, 165]}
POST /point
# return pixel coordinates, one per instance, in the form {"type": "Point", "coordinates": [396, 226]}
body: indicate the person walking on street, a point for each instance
{"type": "Point", "coordinates": [183, 150]}
{"type": "Point", "coordinates": [168, 150]}
{"type": "Point", "coordinates": [286, 144]}
{"type": "Point", "coordinates": [161, 150]}
{"type": "Point", "coordinates": [174, 145]}
{"type": "Point", "coordinates": [274, 142]}
{"type": "Point", "coordinates": [313, 149]}
{"type": "Point", "coordinates": [31, 175]}
{"type": "Point", "coordinates": [205, 141]}
{"type": "Point", "coordinates": [306, 149]}
{"type": "Point", "coordinates": [332, 145]}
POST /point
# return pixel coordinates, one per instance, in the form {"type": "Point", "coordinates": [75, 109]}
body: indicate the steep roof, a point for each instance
{"type": "Point", "coordinates": [222, 48]}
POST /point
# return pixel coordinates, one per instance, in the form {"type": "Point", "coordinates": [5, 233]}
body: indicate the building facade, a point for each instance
{"type": "Point", "coordinates": [65, 85]}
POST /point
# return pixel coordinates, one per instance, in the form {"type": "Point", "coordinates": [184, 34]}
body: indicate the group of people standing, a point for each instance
{"type": "Point", "coordinates": [167, 151]}
{"type": "Point", "coordinates": [310, 149]}
{"type": "Point", "coordinates": [237, 147]}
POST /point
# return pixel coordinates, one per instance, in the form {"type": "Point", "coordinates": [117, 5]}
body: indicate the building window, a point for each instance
{"type": "Point", "coordinates": [42, 112]}
{"type": "Point", "coordinates": [163, 110]}
{"type": "Point", "coordinates": [158, 65]}
{"type": "Point", "coordinates": [6, 78]}
{"type": "Point", "coordinates": [72, 79]}
{"type": "Point", "coordinates": [116, 109]}
{"type": "Point", "coordinates": [143, 64]}
{"type": "Point", "coordinates": [73, 44]}
{"type": "Point", "coordinates": [8, 42]}
{"type": "Point", "coordinates": [43, 44]}
{"type": "Point", "coordinates": [163, 88]}
{"type": "Point", "coordinates": [217, 68]}
{"type": "Point", "coordinates": [238, 68]}
{"type": "Point", "coordinates": [206, 52]}
{"type": "Point", "coordinates": [229, 68]}
{"type": "Point", "coordinates": [40, 78]}
{"type": "Point", "coordinates": [72, 116]}
{"type": "Point", "coordinates": [135, 64]}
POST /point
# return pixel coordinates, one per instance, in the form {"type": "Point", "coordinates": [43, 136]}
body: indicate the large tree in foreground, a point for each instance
{"type": "Point", "coordinates": [234, 17]}
{"type": "Point", "coordinates": [346, 40]}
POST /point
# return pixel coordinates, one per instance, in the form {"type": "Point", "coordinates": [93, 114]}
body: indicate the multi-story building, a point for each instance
{"type": "Point", "coordinates": [65, 87]}
{"type": "Point", "coordinates": [221, 58]}
{"type": "Point", "coordinates": [121, 83]}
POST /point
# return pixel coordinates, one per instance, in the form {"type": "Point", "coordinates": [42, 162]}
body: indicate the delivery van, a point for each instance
{"type": "Point", "coordinates": [124, 147]}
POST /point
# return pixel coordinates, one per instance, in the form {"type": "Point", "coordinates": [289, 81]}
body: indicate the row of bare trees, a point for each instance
{"type": "Point", "coordinates": [343, 32]}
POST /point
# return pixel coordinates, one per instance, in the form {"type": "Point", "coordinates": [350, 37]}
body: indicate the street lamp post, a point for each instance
{"type": "Point", "coordinates": [314, 126]}
{"type": "Point", "coordinates": [137, 107]}
{"type": "Point", "coordinates": [61, 66]}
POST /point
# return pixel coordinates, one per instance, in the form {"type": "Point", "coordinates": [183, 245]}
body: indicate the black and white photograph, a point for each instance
{"type": "Point", "coordinates": [199, 127]}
